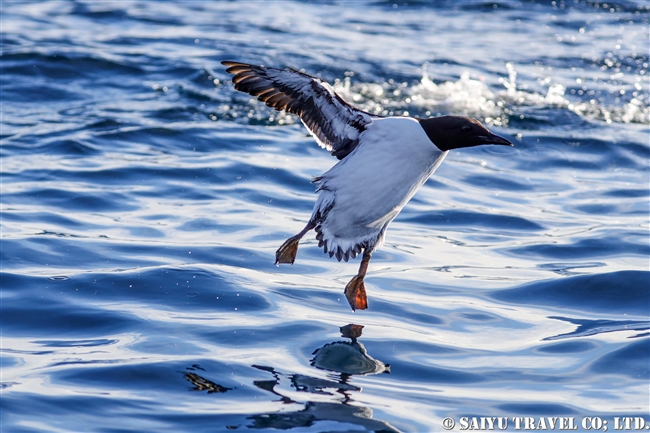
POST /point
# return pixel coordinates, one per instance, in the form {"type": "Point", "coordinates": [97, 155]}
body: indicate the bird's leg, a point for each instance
{"type": "Point", "coordinates": [355, 291]}
{"type": "Point", "coordinates": [287, 252]}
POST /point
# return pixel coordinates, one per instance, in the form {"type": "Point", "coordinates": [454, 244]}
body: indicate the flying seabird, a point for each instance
{"type": "Point", "coordinates": [383, 162]}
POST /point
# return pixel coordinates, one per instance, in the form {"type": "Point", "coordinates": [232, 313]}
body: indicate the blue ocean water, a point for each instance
{"type": "Point", "coordinates": [143, 199]}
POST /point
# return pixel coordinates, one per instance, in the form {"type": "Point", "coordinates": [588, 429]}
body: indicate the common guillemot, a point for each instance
{"type": "Point", "coordinates": [383, 162]}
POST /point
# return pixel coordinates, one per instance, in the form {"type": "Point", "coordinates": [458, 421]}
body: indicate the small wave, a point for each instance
{"type": "Point", "coordinates": [597, 293]}
{"type": "Point", "coordinates": [595, 327]}
{"type": "Point", "coordinates": [66, 65]}
{"type": "Point", "coordinates": [631, 360]}
{"type": "Point", "coordinates": [77, 343]}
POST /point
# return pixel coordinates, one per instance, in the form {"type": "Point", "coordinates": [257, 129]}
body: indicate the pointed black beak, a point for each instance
{"type": "Point", "coordinates": [495, 139]}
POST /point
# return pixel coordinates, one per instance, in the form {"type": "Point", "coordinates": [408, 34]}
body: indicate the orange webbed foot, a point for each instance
{"type": "Point", "coordinates": [355, 292]}
{"type": "Point", "coordinates": [287, 252]}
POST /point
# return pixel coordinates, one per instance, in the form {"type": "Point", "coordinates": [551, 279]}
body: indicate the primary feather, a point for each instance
{"type": "Point", "coordinates": [334, 123]}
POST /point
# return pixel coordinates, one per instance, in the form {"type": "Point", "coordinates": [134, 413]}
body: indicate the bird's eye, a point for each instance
{"type": "Point", "coordinates": [466, 128]}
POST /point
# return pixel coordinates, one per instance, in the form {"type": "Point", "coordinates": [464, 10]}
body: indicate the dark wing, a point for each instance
{"type": "Point", "coordinates": [334, 123]}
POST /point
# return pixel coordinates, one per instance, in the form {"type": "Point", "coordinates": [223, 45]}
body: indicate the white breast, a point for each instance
{"type": "Point", "coordinates": [371, 185]}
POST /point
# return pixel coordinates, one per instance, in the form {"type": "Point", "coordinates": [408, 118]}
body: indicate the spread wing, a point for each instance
{"type": "Point", "coordinates": [335, 124]}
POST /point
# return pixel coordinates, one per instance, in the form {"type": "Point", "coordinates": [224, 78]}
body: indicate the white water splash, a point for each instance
{"type": "Point", "coordinates": [473, 97]}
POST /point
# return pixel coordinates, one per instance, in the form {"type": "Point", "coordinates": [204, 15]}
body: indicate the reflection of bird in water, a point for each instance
{"type": "Point", "coordinates": [348, 358]}
{"type": "Point", "coordinates": [384, 161]}
{"type": "Point", "coordinates": [313, 412]}
{"type": "Point", "coordinates": [203, 384]}
{"type": "Point", "coordinates": [316, 385]}
{"type": "Point", "coordinates": [320, 411]}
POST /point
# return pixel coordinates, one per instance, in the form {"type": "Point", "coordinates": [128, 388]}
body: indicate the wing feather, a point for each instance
{"type": "Point", "coordinates": [335, 124]}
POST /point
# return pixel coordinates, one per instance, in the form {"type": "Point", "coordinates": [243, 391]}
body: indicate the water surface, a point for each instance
{"type": "Point", "coordinates": [143, 200]}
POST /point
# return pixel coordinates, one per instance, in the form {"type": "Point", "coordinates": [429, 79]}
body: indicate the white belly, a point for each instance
{"type": "Point", "coordinates": [371, 185]}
